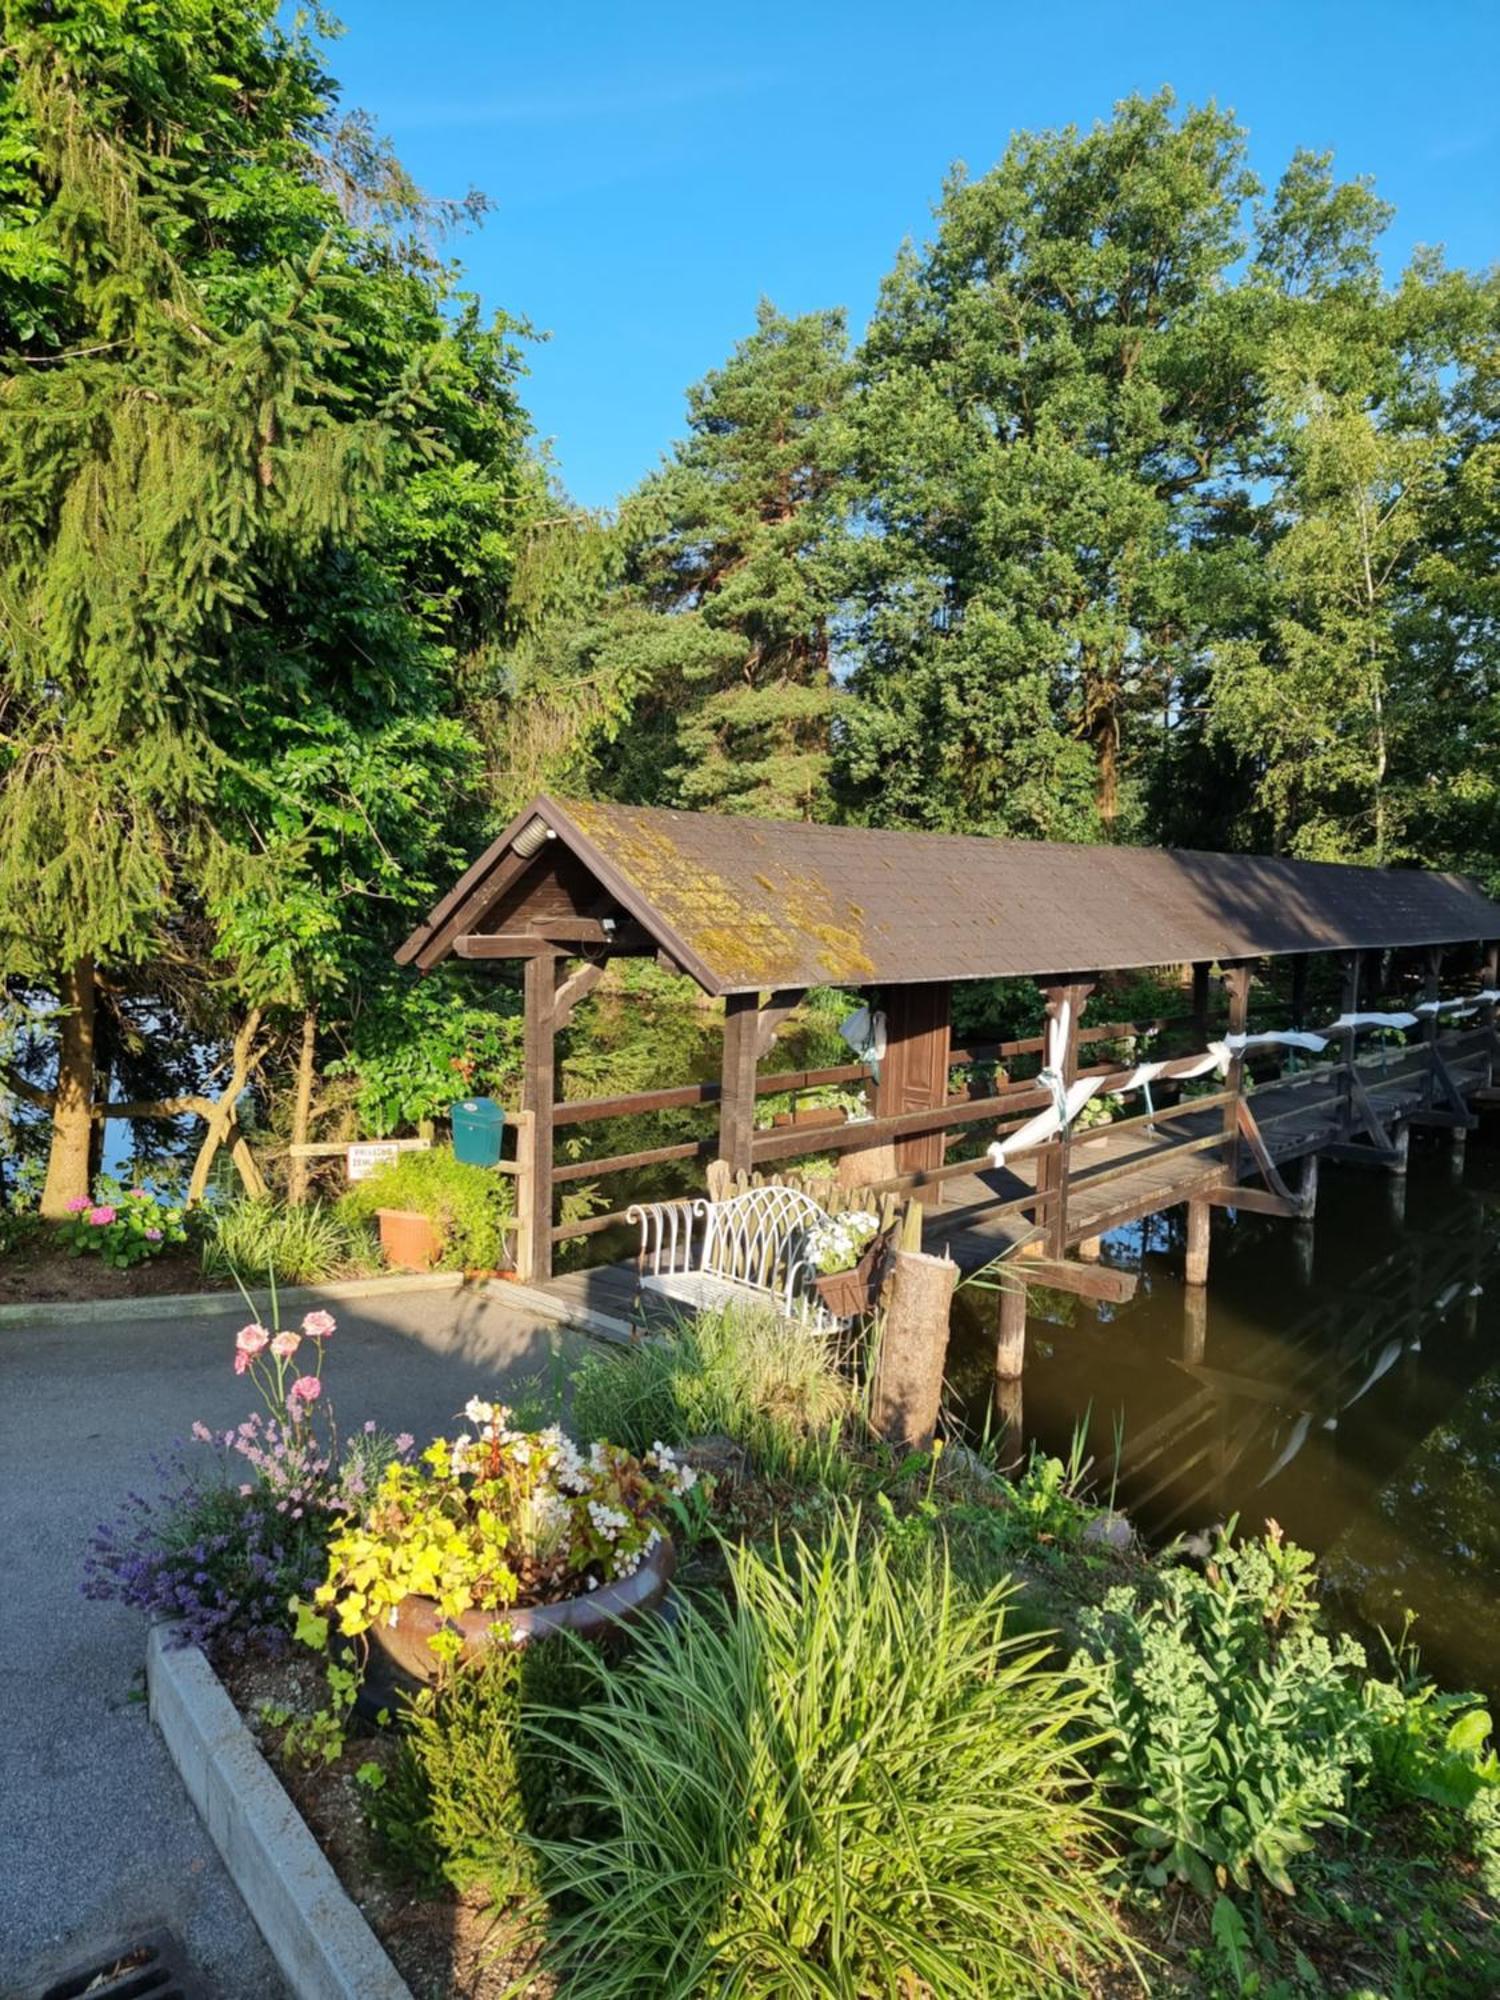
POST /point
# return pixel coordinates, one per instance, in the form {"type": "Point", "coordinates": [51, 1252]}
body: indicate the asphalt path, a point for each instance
{"type": "Point", "coordinates": [98, 1840]}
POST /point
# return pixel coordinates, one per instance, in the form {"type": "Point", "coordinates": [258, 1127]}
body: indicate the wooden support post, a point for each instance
{"type": "Point", "coordinates": [1201, 971]}
{"type": "Point", "coordinates": [1432, 989]}
{"type": "Point", "coordinates": [1395, 1185]}
{"type": "Point", "coordinates": [1304, 1247]}
{"type": "Point", "coordinates": [1401, 1147]}
{"type": "Point", "coordinates": [1237, 986]}
{"type": "Point", "coordinates": [1090, 1249]}
{"type": "Point", "coordinates": [1457, 1154]}
{"type": "Point", "coordinates": [1490, 980]}
{"type": "Point", "coordinates": [1066, 1000]}
{"type": "Point", "coordinates": [1194, 1324]}
{"type": "Point", "coordinates": [538, 1094]}
{"type": "Point", "coordinates": [1300, 964]}
{"type": "Point", "coordinates": [907, 1391]}
{"type": "Point", "coordinates": [1198, 1221]}
{"type": "Point", "coordinates": [1353, 973]}
{"type": "Point", "coordinates": [1010, 1416]}
{"type": "Point", "coordinates": [1307, 1187]}
{"type": "Point", "coordinates": [737, 1101]}
{"type": "Point", "coordinates": [1010, 1350]}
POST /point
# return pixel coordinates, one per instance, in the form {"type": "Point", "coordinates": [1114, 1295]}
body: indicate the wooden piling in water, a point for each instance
{"type": "Point", "coordinates": [1010, 1348]}
{"type": "Point", "coordinates": [1198, 1214]}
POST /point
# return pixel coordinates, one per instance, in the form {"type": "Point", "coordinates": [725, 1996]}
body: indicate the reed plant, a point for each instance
{"type": "Point", "coordinates": [849, 1780]}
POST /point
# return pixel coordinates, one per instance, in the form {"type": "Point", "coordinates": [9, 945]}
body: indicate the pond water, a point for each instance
{"type": "Point", "coordinates": [1340, 1377]}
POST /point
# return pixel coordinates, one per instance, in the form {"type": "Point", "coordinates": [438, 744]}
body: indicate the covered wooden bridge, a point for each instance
{"type": "Point", "coordinates": [757, 912]}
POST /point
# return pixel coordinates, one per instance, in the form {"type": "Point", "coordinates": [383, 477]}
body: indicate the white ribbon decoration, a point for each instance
{"type": "Point", "coordinates": [1361, 1021]}
{"type": "Point", "coordinates": [1066, 1105]}
{"type": "Point", "coordinates": [1291, 1038]}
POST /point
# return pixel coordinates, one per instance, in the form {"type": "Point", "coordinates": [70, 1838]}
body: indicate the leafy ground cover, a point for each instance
{"type": "Point", "coordinates": [914, 1728]}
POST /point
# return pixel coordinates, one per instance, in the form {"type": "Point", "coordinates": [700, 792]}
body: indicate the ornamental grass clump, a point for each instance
{"type": "Point", "coordinates": [738, 1371]}
{"type": "Point", "coordinates": [295, 1245]}
{"type": "Point", "coordinates": [491, 1521]}
{"type": "Point", "coordinates": [848, 1781]}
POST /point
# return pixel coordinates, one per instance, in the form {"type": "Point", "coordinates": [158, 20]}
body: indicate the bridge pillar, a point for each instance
{"type": "Point", "coordinates": [1194, 1324]}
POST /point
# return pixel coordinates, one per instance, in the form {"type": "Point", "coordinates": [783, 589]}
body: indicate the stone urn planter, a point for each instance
{"type": "Point", "coordinates": [409, 1239]}
{"type": "Point", "coordinates": [401, 1661]}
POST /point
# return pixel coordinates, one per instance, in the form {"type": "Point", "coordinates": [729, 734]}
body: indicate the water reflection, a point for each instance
{"type": "Point", "coordinates": [1342, 1377]}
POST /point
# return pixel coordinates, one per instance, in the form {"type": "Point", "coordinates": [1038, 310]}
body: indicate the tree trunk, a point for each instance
{"type": "Point", "coordinates": [73, 1101]}
{"type": "Point", "coordinates": [222, 1128]}
{"type": "Point", "coordinates": [296, 1179]}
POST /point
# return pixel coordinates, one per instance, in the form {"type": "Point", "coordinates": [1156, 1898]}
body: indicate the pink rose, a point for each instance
{"type": "Point", "coordinates": [101, 1217]}
{"type": "Point", "coordinates": [78, 1204]}
{"type": "Point", "coordinates": [241, 1362]}
{"type": "Point", "coordinates": [318, 1325]}
{"type": "Point", "coordinates": [285, 1345]}
{"type": "Point", "coordinates": [251, 1339]}
{"type": "Point", "coordinates": [307, 1387]}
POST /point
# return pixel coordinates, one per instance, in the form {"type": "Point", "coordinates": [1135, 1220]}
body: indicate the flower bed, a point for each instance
{"type": "Point", "coordinates": [888, 1681]}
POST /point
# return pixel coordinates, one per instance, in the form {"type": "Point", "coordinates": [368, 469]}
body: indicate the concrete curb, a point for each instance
{"type": "Point", "coordinates": [524, 1297]}
{"type": "Point", "coordinates": [324, 1947]}
{"type": "Point", "coordinates": [188, 1305]}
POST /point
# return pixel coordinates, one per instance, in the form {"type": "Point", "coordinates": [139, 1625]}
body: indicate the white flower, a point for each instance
{"type": "Point", "coordinates": [479, 1412]}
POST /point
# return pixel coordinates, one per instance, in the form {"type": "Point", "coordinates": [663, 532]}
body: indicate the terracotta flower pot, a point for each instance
{"type": "Point", "coordinates": [409, 1239]}
{"type": "Point", "coordinates": [401, 1659]}
{"type": "Point", "coordinates": [849, 1293]}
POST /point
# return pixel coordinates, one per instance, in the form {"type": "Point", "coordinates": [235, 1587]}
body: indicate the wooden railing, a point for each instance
{"type": "Point", "coordinates": [1006, 1106]}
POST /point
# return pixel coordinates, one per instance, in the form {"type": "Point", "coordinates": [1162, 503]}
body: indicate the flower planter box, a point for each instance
{"type": "Point", "coordinates": [814, 1114]}
{"type": "Point", "coordinates": [849, 1293]}
{"type": "Point", "coordinates": [402, 1660]}
{"type": "Point", "coordinates": [409, 1239]}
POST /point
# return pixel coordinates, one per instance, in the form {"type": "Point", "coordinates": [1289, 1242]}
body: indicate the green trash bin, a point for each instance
{"type": "Point", "coordinates": [478, 1127]}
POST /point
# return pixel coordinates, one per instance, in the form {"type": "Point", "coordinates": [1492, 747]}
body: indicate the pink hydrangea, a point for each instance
{"type": "Point", "coordinates": [251, 1339]}
{"type": "Point", "coordinates": [102, 1216]}
{"type": "Point", "coordinates": [307, 1388]}
{"type": "Point", "coordinates": [153, 1236]}
{"type": "Point", "coordinates": [78, 1204]}
{"type": "Point", "coordinates": [285, 1345]}
{"type": "Point", "coordinates": [318, 1325]}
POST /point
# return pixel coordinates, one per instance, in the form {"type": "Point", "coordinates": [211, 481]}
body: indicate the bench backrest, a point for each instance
{"type": "Point", "coordinates": [756, 1238]}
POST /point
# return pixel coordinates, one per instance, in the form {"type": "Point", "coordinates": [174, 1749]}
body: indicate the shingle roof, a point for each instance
{"type": "Point", "coordinates": [745, 904]}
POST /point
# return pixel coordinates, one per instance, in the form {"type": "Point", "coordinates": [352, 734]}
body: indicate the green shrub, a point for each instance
{"type": "Point", "coordinates": [295, 1246]}
{"type": "Point", "coordinates": [849, 1782]}
{"type": "Point", "coordinates": [1237, 1729]}
{"type": "Point", "coordinates": [740, 1371]}
{"type": "Point", "coordinates": [470, 1206]}
{"type": "Point", "coordinates": [469, 1778]}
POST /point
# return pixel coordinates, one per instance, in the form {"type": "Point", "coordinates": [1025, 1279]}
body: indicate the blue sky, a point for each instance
{"type": "Point", "coordinates": [657, 167]}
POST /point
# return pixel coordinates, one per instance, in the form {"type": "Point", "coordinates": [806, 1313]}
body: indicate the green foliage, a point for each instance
{"type": "Point", "coordinates": [417, 1045]}
{"type": "Point", "coordinates": [1235, 1725]}
{"type": "Point", "coordinates": [849, 1781]}
{"type": "Point", "coordinates": [295, 1245]}
{"type": "Point", "coordinates": [737, 1371]}
{"type": "Point", "coordinates": [469, 1780]}
{"type": "Point", "coordinates": [470, 1206]}
{"type": "Point", "coordinates": [122, 1225]}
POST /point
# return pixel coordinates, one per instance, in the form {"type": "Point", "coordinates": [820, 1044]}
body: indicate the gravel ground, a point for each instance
{"type": "Point", "coordinates": [97, 1837]}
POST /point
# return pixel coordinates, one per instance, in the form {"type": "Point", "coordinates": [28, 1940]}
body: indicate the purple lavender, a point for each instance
{"type": "Point", "coordinates": [240, 1526]}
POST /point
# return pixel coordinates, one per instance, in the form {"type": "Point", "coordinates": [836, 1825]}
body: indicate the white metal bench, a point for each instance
{"type": "Point", "coordinates": [748, 1247]}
